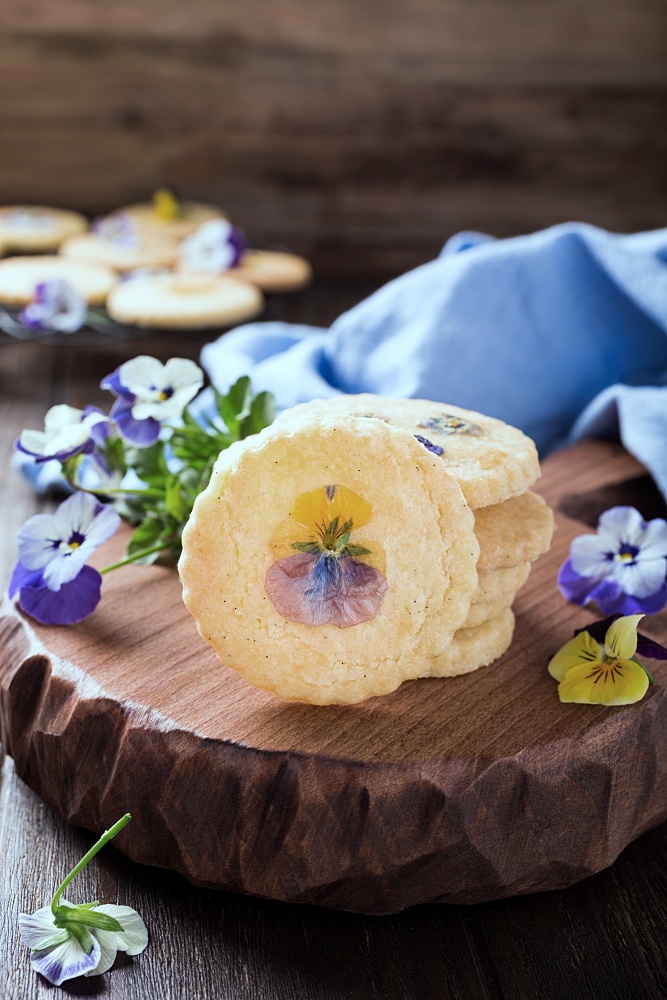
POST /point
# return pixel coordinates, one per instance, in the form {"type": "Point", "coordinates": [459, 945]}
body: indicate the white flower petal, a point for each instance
{"type": "Point", "coordinates": [62, 569]}
{"type": "Point", "coordinates": [102, 527]}
{"type": "Point", "coordinates": [68, 439]}
{"type": "Point", "coordinates": [620, 525]}
{"type": "Point", "coordinates": [134, 936]}
{"type": "Point", "coordinates": [653, 544]}
{"type": "Point", "coordinates": [142, 375]}
{"type": "Point", "coordinates": [34, 441]}
{"type": "Point", "coordinates": [108, 949]}
{"type": "Point", "coordinates": [641, 579]}
{"type": "Point", "coordinates": [59, 417]}
{"type": "Point", "coordinates": [38, 927]}
{"type": "Point", "coordinates": [38, 540]}
{"type": "Point", "coordinates": [589, 556]}
{"type": "Point", "coordinates": [181, 373]}
{"type": "Point", "coordinates": [65, 961]}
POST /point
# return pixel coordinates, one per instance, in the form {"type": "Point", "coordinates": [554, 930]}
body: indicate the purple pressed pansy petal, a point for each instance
{"type": "Point", "coordinates": [139, 432]}
{"type": "Point", "coordinates": [435, 448]}
{"type": "Point", "coordinates": [316, 589]}
{"type": "Point", "coordinates": [239, 244]}
{"type": "Point", "coordinates": [99, 431]}
{"type": "Point", "coordinates": [72, 603]}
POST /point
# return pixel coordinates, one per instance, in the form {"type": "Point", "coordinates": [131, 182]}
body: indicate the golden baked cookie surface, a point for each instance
{"type": "Point", "coordinates": [274, 498]}
{"type": "Point", "coordinates": [490, 460]}
{"type": "Point", "coordinates": [19, 276]}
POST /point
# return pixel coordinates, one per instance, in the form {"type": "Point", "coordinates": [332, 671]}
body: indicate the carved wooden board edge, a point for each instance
{"type": "Point", "coordinates": [361, 836]}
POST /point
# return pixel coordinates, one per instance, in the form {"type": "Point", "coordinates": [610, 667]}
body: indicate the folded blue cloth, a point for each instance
{"type": "Point", "coordinates": [545, 331]}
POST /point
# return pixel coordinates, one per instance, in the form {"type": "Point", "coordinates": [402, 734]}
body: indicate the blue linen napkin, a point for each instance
{"type": "Point", "coordinates": [545, 331]}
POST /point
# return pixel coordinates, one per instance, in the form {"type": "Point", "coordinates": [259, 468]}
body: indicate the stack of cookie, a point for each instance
{"type": "Point", "coordinates": [363, 541]}
{"type": "Point", "coordinates": [190, 268]}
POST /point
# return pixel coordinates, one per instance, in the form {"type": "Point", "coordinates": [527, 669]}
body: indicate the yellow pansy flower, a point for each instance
{"type": "Point", "coordinates": [607, 673]}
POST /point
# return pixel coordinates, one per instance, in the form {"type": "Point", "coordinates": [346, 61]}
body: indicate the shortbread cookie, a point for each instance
{"type": "Point", "coordinates": [36, 228]}
{"type": "Point", "coordinates": [498, 584]}
{"type": "Point", "coordinates": [185, 218]}
{"type": "Point", "coordinates": [311, 574]}
{"type": "Point", "coordinates": [490, 460]}
{"type": "Point", "coordinates": [515, 531]}
{"type": "Point", "coordinates": [274, 272]}
{"type": "Point", "coordinates": [184, 302]}
{"type": "Point", "coordinates": [147, 251]}
{"type": "Point", "coordinates": [472, 648]}
{"type": "Point", "coordinates": [484, 611]}
{"type": "Point", "coordinates": [19, 276]}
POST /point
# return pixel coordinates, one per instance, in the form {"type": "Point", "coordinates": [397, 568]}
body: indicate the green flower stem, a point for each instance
{"type": "Point", "coordinates": [161, 547]}
{"type": "Point", "coordinates": [104, 839]}
{"type": "Point", "coordinates": [156, 494]}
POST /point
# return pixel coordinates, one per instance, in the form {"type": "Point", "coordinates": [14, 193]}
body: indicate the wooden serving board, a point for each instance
{"type": "Point", "coordinates": [452, 791]}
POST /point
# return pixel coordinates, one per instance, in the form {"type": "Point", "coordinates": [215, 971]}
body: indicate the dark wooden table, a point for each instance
{"type": "Point", "coordinates": [603, 939]}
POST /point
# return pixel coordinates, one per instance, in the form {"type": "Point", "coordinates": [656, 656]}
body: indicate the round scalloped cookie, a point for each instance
{"type": "Point", "coordinates": [191, 215]}
{"type": "Point", "coordinates": [341, 643]}
{"type": "Point", "coordinates": [184, 301]}
{"type": "Point", "coordinates": [483, 611]}
{"type": "Point", "coordinates": [273, 271]}
{"type": "Point", "coordinates": [19, 277]}
{"type": "Point", "coordinates": [150, 252]}
{"type": "Point", "coordinates": [472, 648]}
{"type": "Point", "coordinates": [490, 460]}
{"type": "Point", "coordinates": [515, 531]}
{"type": "Point", "coordinates": [37, 228]}
{"type": "Point", "coordinates": [498, 584]}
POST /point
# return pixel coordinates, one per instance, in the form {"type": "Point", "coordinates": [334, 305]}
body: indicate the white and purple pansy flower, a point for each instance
{"type": "Point", "coordinates": [214, 248]}
{"type": "Point", "coordinates": [67, 940]}
{"type": "Point", "coordinates": [67, 432]}
{"type": "Point", "coordinates": [623, 567]}
{"type": "Point", "coordinates": [54, 584]}
{"type": "Point", "coordinates": [58, 954]}
{"type": "Point", "coordinates": [149, 392]}
{"type": "Point", "coordinates": [56, 307]}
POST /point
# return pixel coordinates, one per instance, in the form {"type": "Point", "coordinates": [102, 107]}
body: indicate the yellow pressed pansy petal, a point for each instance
{"type": "Point", "coordinates": [316, 509]}
{"type": "Point", "coordinates": [165, 205]}
{"type": "Point", "coordinates": [617, 682]}
{"type": "Point", "coordinates": [582, 649]}
{"type": "Point", "coordinates": [620, 641]}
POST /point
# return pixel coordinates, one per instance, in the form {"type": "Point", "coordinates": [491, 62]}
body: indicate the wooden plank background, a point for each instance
{"type": "Point", "coordinates": [362, 134]}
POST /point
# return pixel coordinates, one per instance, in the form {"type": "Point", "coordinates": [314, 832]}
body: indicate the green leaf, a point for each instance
{"type": "Point", "coordinates": [640, 664]}
{"type": "Point", "coordinates": [306, 546]}
{"type": "Point", "coordinates": [146, 535]}
{"type": "Point", "coordinates": [90, 918]}
{"type": "Point", "coordinates": [344, 539]}
{"type": "Point", "coordinates": [355, 550]}
{"type": "Point", "coordinates": [173, 499]}
{"type": "Point", "coordinates": [83, 936]}
{"type": "Point", "coordinates": [262, 413]}
{"type": "Point", "coordinates": [148, 463]}
{"type": "Point", "coordinates": [235, 406]}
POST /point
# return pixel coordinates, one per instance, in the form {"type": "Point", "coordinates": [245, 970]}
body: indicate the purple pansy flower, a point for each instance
{"type": "Point", "coordinates": [51, 577]}
{"type": "Point", "coordinates": [212, 249]}
{"type": "Point", "coordinates": [149, 392]}
{"type": "Point", "coordinates": [67, 432]}
{"type": "Point", "coordinates": [57, 307]}
{"type": "Point", "coordinates": [623, 567]}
